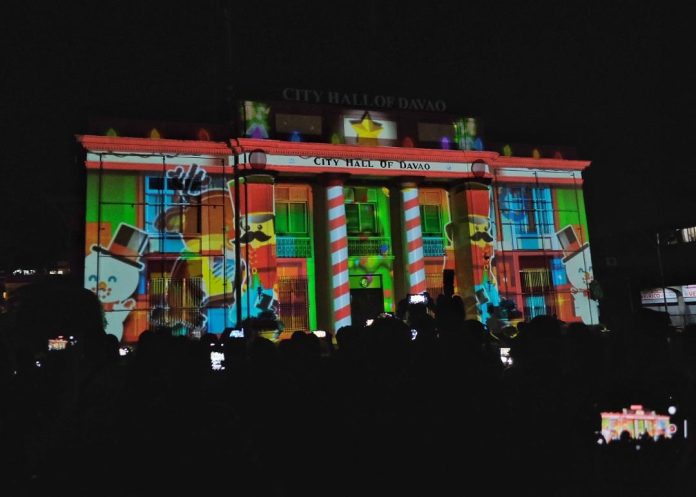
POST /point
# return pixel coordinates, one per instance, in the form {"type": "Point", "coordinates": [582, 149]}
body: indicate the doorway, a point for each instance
{"type": "Point", "coordinates": [366, 303]}
{"type": "Point", "coordinates": [366, 298]}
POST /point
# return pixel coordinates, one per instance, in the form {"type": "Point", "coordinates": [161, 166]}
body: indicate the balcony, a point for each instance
{"type": "Point", "coordinates": [433, 246]}
{"type": "Point", "coordinates": [293, 246]}
{"type": "Point", "coordinates": [366, 246]}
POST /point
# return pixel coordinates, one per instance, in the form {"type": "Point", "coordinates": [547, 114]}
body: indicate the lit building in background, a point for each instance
{"type": "Point", "coordinates": [636, 421]}
{"type": "Point", "coordinates": [341, 213]}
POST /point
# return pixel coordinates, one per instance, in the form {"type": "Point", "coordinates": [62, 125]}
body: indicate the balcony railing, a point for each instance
{"type": "Point", "coordinates": [433, 246]}
{"type": "Point", "coordinates": [364, 246]}
{"type": "Point", "coordinates": [535, 280]}
{"type": "Point", "coordinates": [293, 246]}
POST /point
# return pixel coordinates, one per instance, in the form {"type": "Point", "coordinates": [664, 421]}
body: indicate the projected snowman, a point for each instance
{"type": "Point", "coordinates": [113, 273]}
{"type": "Point", "coordinates": [578, 266]}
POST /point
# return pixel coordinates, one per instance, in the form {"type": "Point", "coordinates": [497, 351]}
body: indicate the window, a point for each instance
{"type": "Point", "coordinates": [527, 216]}
{"type": "Point", "coordinates": [534, 305]}
{"type": "Point", "coordinates": [291, 218]}
{"type": "Point", "coordinates": [538, 279]}
{"type": "Point", "coordinates": [431, 220]}
{"type": "Point", "coordinates": [159, 198]}
{"type": "Point", "coordinates": [530, 209]}
{"type": "Point", "coordinates": [177, 302]}
{"type": "Point", "coordinates": [558, 272]}
{"type": "Point", "coordinates": [291, 210]}
{"type": "Point", "coordinates": [168, 212]}
{"type": "Point", "coordinates": [360, 218]}
{"type": "Point", "coordinates": [175, 184]}
{"type": "Point", "coordinates": [361, 207]}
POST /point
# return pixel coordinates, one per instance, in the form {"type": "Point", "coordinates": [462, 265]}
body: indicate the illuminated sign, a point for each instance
{"type": "Point", "coordinates": [688, 292]}
{"type": "Point", "coordinates": [362, 100]}
{"type": "Point", "coordinates": [657, 294]}
{"type": "Point", "coordinates": [359, 163]}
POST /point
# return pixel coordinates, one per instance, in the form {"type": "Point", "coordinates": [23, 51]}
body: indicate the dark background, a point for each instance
{"type": "Point", "coordinates": [597, 77]}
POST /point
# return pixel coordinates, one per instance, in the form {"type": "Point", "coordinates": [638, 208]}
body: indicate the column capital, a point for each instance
{"type": "Point", "coordinates": [469, 184]}
{"type": "Point", "coordinates": [409, 181]}
{"type": "Point", "coordinates": [245, 174]}
{"type": "Point", "coordinates": [332, 179]}
{"type": "Point", "coordinates": [259, 178]}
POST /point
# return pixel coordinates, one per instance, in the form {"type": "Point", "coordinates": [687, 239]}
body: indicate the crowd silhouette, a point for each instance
{"type": "Point", "coordinates": [415, 404]}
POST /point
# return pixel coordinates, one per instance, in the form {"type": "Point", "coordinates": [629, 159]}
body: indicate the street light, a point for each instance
{"type": "Point", "coordinates": [479, 168]}
{"type": "Point", "coordinates": [257, 160]}
{"type": "Point", "coordinates": [237, 248]}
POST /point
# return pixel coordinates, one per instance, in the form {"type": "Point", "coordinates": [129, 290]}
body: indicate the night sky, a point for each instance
{"type": "Point", "coordinates": [588, 75]}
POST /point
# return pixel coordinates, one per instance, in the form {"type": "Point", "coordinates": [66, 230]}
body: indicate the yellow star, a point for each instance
{"type": "Point", "coordinates": [366, 127]}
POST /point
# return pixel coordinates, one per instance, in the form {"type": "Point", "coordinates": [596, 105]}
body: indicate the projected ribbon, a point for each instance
{"type": "Point", "coordinates": [338, 245]}
{"type": "Point", "coordinates": [414, 239]}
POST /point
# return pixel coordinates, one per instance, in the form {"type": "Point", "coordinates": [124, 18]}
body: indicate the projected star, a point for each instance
{"type": "Point", "coordinates": [366, 127]}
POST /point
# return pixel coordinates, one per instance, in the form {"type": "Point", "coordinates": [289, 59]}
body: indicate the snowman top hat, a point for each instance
{"type": "Point", "coordinates": [569, 242]}
{"type": "Point", "coordinates": [127, 245]}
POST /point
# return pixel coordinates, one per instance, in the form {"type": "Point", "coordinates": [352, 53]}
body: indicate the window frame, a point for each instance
{"type": "Point", "coordinates": [360, 217]}
{"type": "Point", "coordinates": [424, 230]}
{"type": "Point", "coordinates": [288, 232]}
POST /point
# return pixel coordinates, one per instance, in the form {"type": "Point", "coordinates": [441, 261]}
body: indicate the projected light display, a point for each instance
{"type": "Point", "coordinates": [113, 273]}
{"type": "Point", "coordinates": [578, 267]}
{"type": "Point", "coordinates": [161, 238]}
{"type": "Point", "coordinates": [188, 223]}
{"type": "Point", "coordinates": [470, 230]}
{"type": "Point", "coordinates": [256, 116]}
{"type": "Point", "coordinates": [466, 134]}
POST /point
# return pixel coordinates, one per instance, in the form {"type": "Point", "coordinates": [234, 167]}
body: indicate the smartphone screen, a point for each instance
{"type": "Point", "coordinates": [236, 333]}
{"type": "Point", "coordinates": [320, 333]}
{"type": "Point", "coordinates": [217, 360]}
{"type": "Point", "coordinates": [417, 298]}
{"type": "Point", "coordinates": [58, 343]}
{"type": "Point", "coordinates": [638, 421]}
{"type": "Point", "coordinates": [61, 343]}
{"type": "Point", "coordinates": [505, 356]}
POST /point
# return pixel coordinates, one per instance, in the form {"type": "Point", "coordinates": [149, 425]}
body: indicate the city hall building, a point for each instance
{"type": "Point", "coordinates": [322, 209]}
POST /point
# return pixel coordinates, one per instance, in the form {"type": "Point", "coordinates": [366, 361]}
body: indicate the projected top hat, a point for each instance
{"type": "Point", "coordinates": [471, 203]}
{"type": "Point", "coordinates": [569, 242]}
{"type": "Point", "coordinates": [127, 245]}
{"type": "Point", "coordinates": [256, 203]}
{"type": "Point", "coordinates": [478, 201]}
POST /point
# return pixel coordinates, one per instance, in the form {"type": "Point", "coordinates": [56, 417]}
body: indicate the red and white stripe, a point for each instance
{"type": "Point", "coordinates": [338, 245]}
{"type": "Point", "coordinates": [414, 240]}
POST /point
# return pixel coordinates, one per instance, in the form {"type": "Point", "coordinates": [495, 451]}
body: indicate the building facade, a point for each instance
{"type": "Point", "coordinates": [326, 216]}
